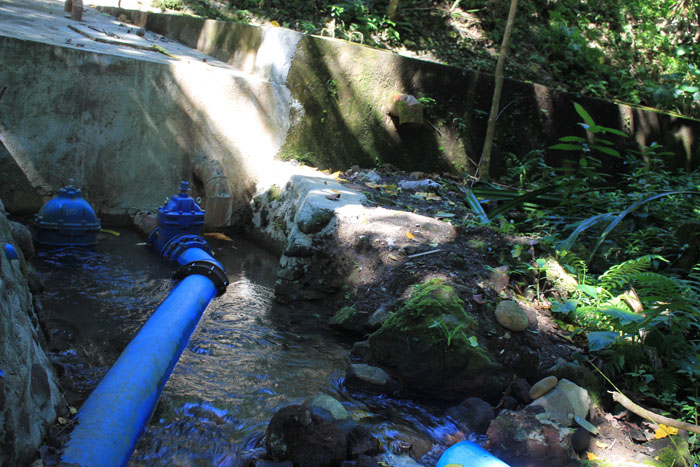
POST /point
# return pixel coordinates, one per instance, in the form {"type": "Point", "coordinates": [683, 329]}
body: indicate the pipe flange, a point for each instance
{"type": "Point", "coordinates": [180, 243]}
{"type": "Point", "coordinates": [208, 269]}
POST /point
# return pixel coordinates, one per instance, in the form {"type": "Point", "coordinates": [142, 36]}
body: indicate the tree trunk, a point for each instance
{"type": "Point", "coordinates": [392, 9]}
{"type": "Point", "coordinates": [485, 161]}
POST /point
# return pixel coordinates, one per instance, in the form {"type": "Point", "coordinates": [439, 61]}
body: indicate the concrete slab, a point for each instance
{"type": "Point", "coordinates": [45, 21]}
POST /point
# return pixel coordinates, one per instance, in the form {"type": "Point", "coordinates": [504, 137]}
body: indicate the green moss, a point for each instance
{"type": "Point", "coordinates": [431, 301]}
{"type": "Point", "coordinates": [274, 193]}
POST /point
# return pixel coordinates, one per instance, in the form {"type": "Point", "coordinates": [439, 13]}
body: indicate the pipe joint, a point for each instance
{"type": "Point", "coordinates": [178, 244]}
{"type": "Point", "coordinates": [209, 269]}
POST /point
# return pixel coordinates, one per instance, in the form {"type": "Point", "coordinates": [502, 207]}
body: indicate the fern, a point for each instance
{"type": "Point", "coordinates": [619, 275]}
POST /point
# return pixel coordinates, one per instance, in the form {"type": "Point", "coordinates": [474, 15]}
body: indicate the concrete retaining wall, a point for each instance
{"type": "Point", "coordinates": [343, 90]}
{"type": "Point", "coordinates": [126, 130]}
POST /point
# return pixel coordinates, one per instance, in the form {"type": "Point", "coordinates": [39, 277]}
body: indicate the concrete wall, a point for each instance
{"type": "Point", "coordinates": [125, 130]}
{"type": "Point", "coordinates": [342, 91]}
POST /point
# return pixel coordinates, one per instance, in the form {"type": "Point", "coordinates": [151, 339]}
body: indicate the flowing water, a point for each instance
{"type": "Point", "coordinates": [248, 357]}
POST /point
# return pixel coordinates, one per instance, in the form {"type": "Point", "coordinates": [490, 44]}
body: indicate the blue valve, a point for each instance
{"type": "Point", "coordinates": [10, 252]}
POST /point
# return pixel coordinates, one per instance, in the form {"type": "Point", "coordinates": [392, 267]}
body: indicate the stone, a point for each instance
{"type": "Point", "coordinates": [377, 318]}
{"type": "Point", "coordinates": [362, 351]}
{"type": "Point", "coordinates": [407, 108]}
{"type": "Point", "coordinates": [349, 319]}
{"type": "Point", "coordinates": [499, 278]}
{"type": "Point", "coordinates": [369, 176]}
{"type": "Point", "coordinates": [23, 237]}
{"type": "Point", "coordinates": [327, 408]}
{"type": "Point", "coordinates": [295, 434]}
{"type": "Point", "coordinates": [580, 440]}
{"type": "Point", "coordinates": [371, 379]}
{"type": "Point", "coordinates": [313, 220]}
{"type": "Point", "coordinates": [519, 438]}
{"type": "Point", "coordinates": [473, 415]}
{"type": "Point", "coordinates": [563, 402]}
{"type": "Point", "coordinates": [511, 316]}
{"type": "Point", "coordinates": [574, 372]}
{"type": "Point", "coordinates": [520, 389]}
{"type": "Point", "coordinates": [29, 394]}
{"type": "Point", "coordinates": [361, 442]}
{"type": "Point", "coordinates": [543, 386]}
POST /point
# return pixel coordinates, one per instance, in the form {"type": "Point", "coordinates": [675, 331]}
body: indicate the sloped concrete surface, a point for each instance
{"type": "Point", "coordinates": [125, 116]}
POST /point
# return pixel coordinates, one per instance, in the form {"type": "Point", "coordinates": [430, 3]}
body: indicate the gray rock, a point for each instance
{"type": "Point", "coordinates": [370, 176]}
{"type": "Point", "coordinates": [371, 379]}
{"type": "Point", "coordinates": [23, 237]}
{"type": "Point", "coordinates": [511, 316]}
{"type": "Point", "coordinates": [312, 220]}
{"type": "Point", "coordinates": [543, 386]}
{"type": "Point", "coordinates": [563, 402]}
{"type": "Point", "coordinates": [362, 351]}
{"type": "Point", "coordinates": [29, 394]}
{"type": "Point", "coordinates": [327, 408]}
{"type": "Point", "coordinates": [473, 415]}
{"type": "Point", "coordinates": [377, 318]}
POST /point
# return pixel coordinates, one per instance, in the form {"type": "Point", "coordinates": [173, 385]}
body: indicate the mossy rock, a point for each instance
{"type": "Point", "coordinates": [432, 343]}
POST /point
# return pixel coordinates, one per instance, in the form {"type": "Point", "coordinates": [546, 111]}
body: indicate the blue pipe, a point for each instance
{"type": "Point", "coordinates": [469, 454]}
{"type": "Point", "coordinates": [113, 418]}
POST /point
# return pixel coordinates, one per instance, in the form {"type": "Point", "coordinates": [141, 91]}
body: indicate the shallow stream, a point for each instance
{"type": "Point", "coordinates": [248, 357]}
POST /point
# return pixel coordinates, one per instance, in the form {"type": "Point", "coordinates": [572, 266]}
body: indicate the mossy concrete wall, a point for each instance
{"type": "Point", "coordinates": [342, 92]}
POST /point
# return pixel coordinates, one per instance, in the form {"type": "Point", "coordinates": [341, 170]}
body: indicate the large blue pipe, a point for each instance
{"type": "Point", "coordinates": [113, 418]}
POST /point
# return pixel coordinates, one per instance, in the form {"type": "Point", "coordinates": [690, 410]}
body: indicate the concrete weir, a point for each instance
{"type": "Point", "coordinates": [124, 116]}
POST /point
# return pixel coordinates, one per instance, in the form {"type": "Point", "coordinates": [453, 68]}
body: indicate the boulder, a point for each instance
{"type": "Point", "coordinates": [473, 415]}
{"type": "Point", "coordinates": [564, 402]}
{"type": "Point", "coordinates": [518, 438]}
{"type": "Point", "coordinates": [511, 316]}
{"type": "Point", "coordinates": [297, 435]}
{"type": "Point", "coordinates": [371, 379]}
{"type": "Point", "coordinates": [427, 341]}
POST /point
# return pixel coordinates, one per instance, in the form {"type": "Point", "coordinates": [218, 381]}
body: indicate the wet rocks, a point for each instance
{"type": "Point", "coordinates": [543, 386]}
{"type": "Point", "coordinates": [370, 379]}
{"type": "Point", "coordinates": [473, 415]}
{"type": "Point", "coordinates": [518, 438]}
{"type": "Point", "coordinates": [29, 395]}
{"type": "Point", "coordinates": [305, 439]}
{"type": "Point", "coordinates": [511, 316]}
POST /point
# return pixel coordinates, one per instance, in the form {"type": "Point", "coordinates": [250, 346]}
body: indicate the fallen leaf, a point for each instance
{"type": "Point", "coordinates": [333, 196]}
{"type": "Point", "coordinates": [393, 257]}
{"type": "Point", "coordinates": [601, 445]}
{"type": "Point", "coordinates": [478, 298]}
{"type": "Point", "coordinates": [664, 431]}
{"type": "Point", "coordinates": [591, 456]}
{"type": "Point", "coordinates": [111, 232]}
{"type": "Point", "coordinates": [218, 236]}
{"type": "Point", "coordinates": [410, 236]}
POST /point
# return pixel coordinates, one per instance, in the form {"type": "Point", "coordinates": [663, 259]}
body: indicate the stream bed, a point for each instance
{"type": "Point", "coordinates": [248, 357]}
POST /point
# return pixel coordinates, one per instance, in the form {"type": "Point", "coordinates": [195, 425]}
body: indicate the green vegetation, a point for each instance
{"type": "Point", "coordinates": [632, 241]}
{"type": "Point", "coordinates": [638, 51]}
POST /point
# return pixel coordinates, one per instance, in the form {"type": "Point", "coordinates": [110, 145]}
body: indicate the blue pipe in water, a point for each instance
{"type": "Point", "coordinates": [113, 418]}
{"type": "Point", "coordinates": [469, 454]}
